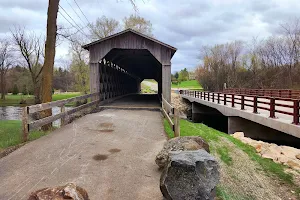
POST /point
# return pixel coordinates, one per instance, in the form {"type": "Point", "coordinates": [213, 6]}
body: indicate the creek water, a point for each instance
{"type": "Point", "coordinates": [15, 113]}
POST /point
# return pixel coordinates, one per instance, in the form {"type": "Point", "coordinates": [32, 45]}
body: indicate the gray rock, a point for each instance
{"type": "Point", "coordinates": [188, 143]}
{"type": "Point", "coordinates": [190, 175]}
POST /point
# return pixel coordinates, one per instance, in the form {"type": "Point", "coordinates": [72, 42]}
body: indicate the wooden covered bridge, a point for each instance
{"type": "Point", "coordinates": [119, 63]}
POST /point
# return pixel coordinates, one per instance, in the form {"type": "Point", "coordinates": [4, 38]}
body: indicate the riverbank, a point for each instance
{"type": "Point", "coordinates": [244, 174]}
{"type": "Point", "coordinates": [15, 100]}
{"type": "Point", "coordinates": [10, 133]}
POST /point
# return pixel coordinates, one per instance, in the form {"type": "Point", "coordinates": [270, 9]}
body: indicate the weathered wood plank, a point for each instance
{"type": "Point", "coordinates": [167, 105]}
{"type": "Point", "coordinates": [168, 118]}
{"type": "Point", "coordinates": [45, 106]}
{"type": "Point", "coordinates": [47, 120]}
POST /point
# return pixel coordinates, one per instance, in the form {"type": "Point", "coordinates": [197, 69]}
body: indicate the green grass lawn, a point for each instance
{"type": "Point", "coordinates": [192, 84]}
{"type": "Point", "coordinates": [221, 146]}
{"type": "Point", "coordinates": [10, 133]}
{"type": "Point", "coordinates": [14, 100]}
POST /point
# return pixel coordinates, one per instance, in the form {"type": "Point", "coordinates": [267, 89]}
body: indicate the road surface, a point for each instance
{"type": "Point", "coordinates": [111, 154]}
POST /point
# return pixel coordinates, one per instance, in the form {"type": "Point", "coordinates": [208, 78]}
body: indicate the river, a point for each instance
{"type": "Point", "coordinates": [15, 113]}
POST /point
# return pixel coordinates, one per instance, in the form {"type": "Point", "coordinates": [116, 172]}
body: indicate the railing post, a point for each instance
{"type": "Point", "coordinates": [176, 123]}
{"type": "Point", "coordinates": [243, 102]}
{"type": "Point", "coordinates": [213, 97]}
{"type": "Point", "coordinates": [255, 104]}
{"type": "Point", "coordinates": [62, 120]}
{"type": "Point", "coordinates": [204, 96]}
{"type": "Point", "coordinates": [232, 100]}
{"type": "Point", "coordinates": [290, 93]}
{"type": "Point", "coordinates": [200, 95]}
{"type": "Point", "coordinates": [225, 99]}
{"type": "Point", "coordinates": [218, 98]}
{"type": "Point", "coordinates": [272, 107]}
{"type": "Point", "coordinates": [195, 94]}
{"type": "Point", "coordinates": [25, 127]}
{"type": "Point", "coordinates": [296, 112]}
{"type": "Point", "coordinates": [208, 96]}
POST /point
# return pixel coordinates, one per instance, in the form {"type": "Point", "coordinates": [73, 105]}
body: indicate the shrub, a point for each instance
{"type": "Point", "coordinates": [15, 90]}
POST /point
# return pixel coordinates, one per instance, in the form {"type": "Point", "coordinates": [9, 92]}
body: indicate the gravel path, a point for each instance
{"type": "Point", "coordinates": [110, 154]}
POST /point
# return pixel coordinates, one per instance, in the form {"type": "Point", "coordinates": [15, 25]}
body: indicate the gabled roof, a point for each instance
{"type": "Point", "coordinates": [132, 31]}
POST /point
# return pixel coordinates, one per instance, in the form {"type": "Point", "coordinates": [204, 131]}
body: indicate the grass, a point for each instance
{"type": "Point", "coordinates": [14, 100]}
{"type": "Point", "coordinates": [192, 84]}
{"type": "Point", "coordinates": [10, 133]}
{"type": "Point", "coordinates": [214, 137]}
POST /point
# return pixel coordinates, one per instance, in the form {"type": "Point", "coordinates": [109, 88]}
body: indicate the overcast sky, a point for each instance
{"type": "Point", "coordinates": [184, 24]}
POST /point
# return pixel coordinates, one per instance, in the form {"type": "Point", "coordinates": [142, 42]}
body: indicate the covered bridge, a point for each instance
{"type": "Point", "coordinates": [120, 62]}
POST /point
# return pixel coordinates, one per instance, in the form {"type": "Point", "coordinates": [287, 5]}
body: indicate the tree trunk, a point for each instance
{"type": "Point", "coordinates": [2, 86]}
{"type": "Point", "coordinates": [47, 74]}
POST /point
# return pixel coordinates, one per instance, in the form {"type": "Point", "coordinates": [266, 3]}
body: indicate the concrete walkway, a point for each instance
{"type": "Point", "coordinates": [111, 154]}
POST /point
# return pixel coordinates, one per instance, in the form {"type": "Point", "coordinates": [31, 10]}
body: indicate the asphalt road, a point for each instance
{"type": "Point", "coordinates": [111, 154]}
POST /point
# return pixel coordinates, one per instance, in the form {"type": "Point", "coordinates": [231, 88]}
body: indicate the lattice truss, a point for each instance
{"type": "Point", "coordinates": [115, 81]}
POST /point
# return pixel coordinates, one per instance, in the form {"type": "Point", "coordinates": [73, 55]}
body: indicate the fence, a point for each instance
{"type": "Point", "coordinates": [270, 104]}
{"type": "Point", "coordinates": [170, 112]}
{"type": "Point", "coordinates": [34, 124]}
{"type": "Point", "coordinates": [281, 93]}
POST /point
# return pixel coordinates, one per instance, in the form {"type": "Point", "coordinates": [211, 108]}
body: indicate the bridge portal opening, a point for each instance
{"type": "Point", "coordinates": [149, 86]}
{"type": "Point", "coordinates": [120, 62]}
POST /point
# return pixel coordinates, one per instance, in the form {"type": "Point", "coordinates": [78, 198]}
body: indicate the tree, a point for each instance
{"type": "Point", "coordinates": [104, 27]}
{"type": "Point", "coordinates": [5, 63]}
{"type": "Point", "coordinates": [47, 77]}
{"type": "Point", "coordinates": [138, 24]}
{"type": "Point", "coordinates": [29, 46]}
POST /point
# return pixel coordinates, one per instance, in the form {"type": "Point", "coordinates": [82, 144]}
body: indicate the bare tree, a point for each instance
{"type": "Point", "coordinates": [30, 48]}
{"type": "Point", "coordinates": [5, 63]}
{"type": "Point", "coordinates": [138, 24]}
{"type": "Point", "coordinates": [104, 27]}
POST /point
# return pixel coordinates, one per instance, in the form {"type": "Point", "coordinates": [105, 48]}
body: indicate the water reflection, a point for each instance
{"type": "Point", "coordinates": [15, 113]}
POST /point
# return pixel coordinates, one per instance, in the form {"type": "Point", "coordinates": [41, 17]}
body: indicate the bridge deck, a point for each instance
{"type": "Point", "coordinates": [110, 154]}
{"type": "Point", "coordinates": [282, 122]}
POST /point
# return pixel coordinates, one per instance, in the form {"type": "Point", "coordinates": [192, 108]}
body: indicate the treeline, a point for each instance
{"type": "Point", "coordinates": [270, 63]}
{"type": "Point", "coordinates": [22, 56]}
{"type": "Point", "coordinates": [18, 80]}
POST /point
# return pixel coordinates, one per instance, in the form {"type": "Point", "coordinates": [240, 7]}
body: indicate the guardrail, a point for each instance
{"type": "Point", "coordinates": [34, 124]}
{"type": "Point", "coordinates": [254, 101]}
{"type": "Point", "coordinates": [282, 93]}
{"type": "Point", "coordinates": [170, 112]}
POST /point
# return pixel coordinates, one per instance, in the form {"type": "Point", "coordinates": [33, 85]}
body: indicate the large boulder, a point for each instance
{"type": "Point", "coordinates": [190, 175]}
{"type": "Point", "coordinates": [68, 191]}
{"type": "Point", "coordinates": [188, 143]}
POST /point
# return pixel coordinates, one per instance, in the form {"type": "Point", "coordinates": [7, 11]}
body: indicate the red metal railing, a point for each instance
{"type": "Point", "coordinates": [270, 104]}
{"type": "Point", "coordinates": [282, 93]}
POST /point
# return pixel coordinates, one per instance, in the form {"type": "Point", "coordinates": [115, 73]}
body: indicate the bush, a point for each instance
{"type": "Point", "coordinates": [15, 90]}
{"type": "Point", "coordinates": [24, 90]}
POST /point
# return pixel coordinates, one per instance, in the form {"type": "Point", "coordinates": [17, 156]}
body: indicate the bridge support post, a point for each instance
{"type": "Point", "coordinates": [166, 81]}
{"type": "Point", "coordinates": [94, 79]}
{"type": "Point", "coordinates": [296, 112]}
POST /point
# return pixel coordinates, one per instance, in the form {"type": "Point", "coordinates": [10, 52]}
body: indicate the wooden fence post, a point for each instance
{"type": "Point", "coordinates": [242, 102]}
{"type": "Point", "coordinates": [62, 120]}
{"type": "Point", "coordinates": [255, 104]}
{"type": "Point", "coordinates": [176, 123]}
{"type": "Point", "coordinates": [208, 96]}
{"type": "Point", "coordinates": [213, 97]}
{"type": "Point", "coordinates": [272, 107]}
{"type": "Point", "coordinates": [296, 112]}
{"type": "Point", "coordinates": [218, 98]}
{"type": "Point", "coordinates": [232, 100]}
{"type": "Point", "coordinates": [25, 128]}
{"type": "Point", "coordinates": [225, 99]}
{"type": "Point", "coordinates": [204, 96]}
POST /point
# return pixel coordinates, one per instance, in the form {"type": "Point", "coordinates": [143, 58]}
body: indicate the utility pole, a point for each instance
{"type": "Point", "coordinates": [47, 73]}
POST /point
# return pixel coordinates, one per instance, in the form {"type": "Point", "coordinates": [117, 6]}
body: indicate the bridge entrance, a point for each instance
{"type": "Point", "coordinates": [119, 63]}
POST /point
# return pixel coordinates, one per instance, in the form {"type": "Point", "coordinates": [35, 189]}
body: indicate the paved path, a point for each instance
{"type": "Point", "coordinates": [110, 154]}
